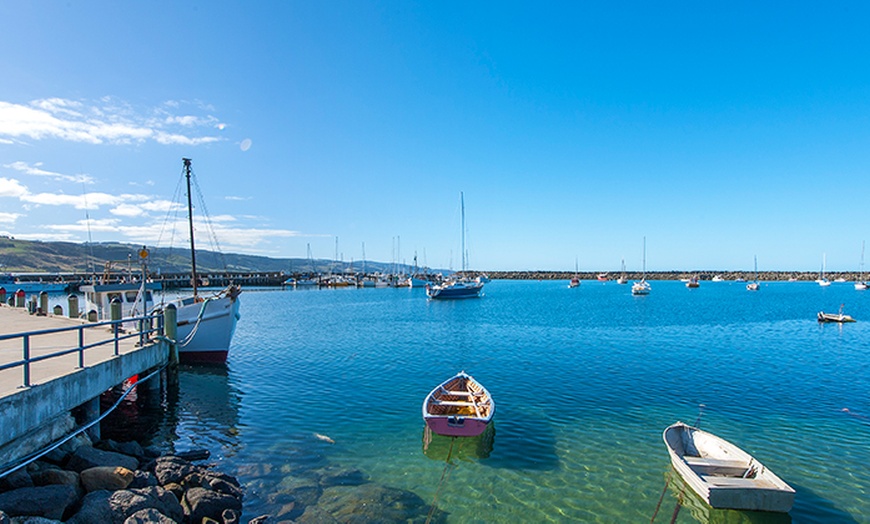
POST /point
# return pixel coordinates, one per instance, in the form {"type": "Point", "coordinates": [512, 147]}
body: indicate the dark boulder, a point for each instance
{"type": "Point", "coordinates": [87, 457]}
{"type": "Point", "coordinates": [43, 501]}
{"type": "Point", "coordinates": [94, 509]}
{"type": "Point", "coordinates": [125, 503]}
{"type": "Point", "coordinates": [15, 480]}
{"type": "Point", "coordinates": [172, 470]}
{"type": "Point", "coordinates": [201, 502]}
{"type": "Point", "coordinates": [149, 516]}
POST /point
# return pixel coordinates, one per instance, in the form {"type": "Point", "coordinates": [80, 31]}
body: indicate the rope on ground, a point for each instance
{"type": "Point", "coordinates": [445, 474]}
{"type": "Point", "coordinates": [36, 455]}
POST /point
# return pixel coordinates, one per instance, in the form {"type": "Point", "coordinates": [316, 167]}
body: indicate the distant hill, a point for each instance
{"type": "Point", "coordinates": [25, 256]}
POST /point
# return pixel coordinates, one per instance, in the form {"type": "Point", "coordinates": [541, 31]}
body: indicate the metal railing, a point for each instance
{"type": "Point", "coordinates": [147, 329]}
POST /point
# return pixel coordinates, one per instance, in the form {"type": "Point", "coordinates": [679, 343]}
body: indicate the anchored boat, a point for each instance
{"type": "Point", "coordinates": [458, 407]}
{"type": "Point", "coordinates": [724, 475]}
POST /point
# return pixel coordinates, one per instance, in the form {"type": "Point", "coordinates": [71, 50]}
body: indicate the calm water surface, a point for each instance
{"type": "Point", "coordinates": [585, 381]}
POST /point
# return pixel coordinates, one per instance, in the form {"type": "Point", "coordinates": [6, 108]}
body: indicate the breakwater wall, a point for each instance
{"type": "Point", "coordinates": [675, 275]}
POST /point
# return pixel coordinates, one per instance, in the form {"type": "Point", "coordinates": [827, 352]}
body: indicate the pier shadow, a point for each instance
{"type": "Point", "coordinates": [524, 444]}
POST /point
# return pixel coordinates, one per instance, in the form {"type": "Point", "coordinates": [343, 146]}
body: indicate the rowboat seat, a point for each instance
{"type": "Point", "coordinates": [730, 482]}
{"type": "Point", "coordinates": [715, 463]}
{"type": "Point", "coordinates": [452, 403]}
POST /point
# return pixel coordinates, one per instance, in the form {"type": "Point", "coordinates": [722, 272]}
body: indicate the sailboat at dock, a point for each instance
{"type": "Point", "coordinates": [206, 324]}
{"type": "Point", "coordinates": [642, 287]}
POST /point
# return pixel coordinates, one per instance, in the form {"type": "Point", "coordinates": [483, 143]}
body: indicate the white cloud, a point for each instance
{"type": "Point", "coordinates": [9, 218]}
{"type": "Point", "coordinates": [9, 187]}
{"type": "Point", "coordinates": [127, 210]}
{"type": "Point", "coordinates": [36, 170]}
{"type": "Point", "coordinates": [105, 121]}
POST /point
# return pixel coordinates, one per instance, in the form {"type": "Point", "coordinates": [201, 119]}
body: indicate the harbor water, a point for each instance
{"type": "Point", "coordinates": [585, 380]}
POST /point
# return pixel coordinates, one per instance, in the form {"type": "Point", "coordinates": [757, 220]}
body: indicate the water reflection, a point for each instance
{"type": "Point", "coordinates": [441, 448]}
{"type": "Point", "coordinates": [683, 500]}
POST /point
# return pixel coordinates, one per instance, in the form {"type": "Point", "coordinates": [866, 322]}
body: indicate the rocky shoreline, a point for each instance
{"type": "Point", "coordinates": [119, 483]}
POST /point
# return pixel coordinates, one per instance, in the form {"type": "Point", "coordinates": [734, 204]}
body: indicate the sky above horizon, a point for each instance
{"type": "Point", "coordinates": [574, 130]}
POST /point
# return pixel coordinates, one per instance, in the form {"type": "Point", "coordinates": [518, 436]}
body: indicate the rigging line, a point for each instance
{"type": "Point", "coordinates": [444, 475]}
{"type": "Point", "coordinates": [89, 263]}
{"type": "Point", "coordinates": [209, 225]}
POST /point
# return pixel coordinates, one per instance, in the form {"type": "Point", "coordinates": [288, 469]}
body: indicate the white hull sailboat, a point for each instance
{"type": "Point", "coordinates": [622, 278]}
{"type": "Point", "coordinates": [642, 287]}
{"type": "Point", "coordinates": [754, 285]}
{"type": "Point", "coordinates": [822, 281]}
{"type": "Point", "coordinates": [861, 284]}
{"type": "Point", "coordinates": [458, 286]}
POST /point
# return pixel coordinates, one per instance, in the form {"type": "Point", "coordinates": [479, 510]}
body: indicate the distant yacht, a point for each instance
{"type": "Point", "coordinates": [861, 284]}
{"type": "Point", "coordinates": [718, 278]}
{"type": "Point", "coordinates": [642, 287]}
{"type": "Point", "coordinates": [822, 281]}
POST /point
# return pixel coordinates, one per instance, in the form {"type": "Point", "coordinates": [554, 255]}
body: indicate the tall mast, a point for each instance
{"type": "Point", "coordinates": [190, 222]}
{"type": "Point", "coordinates": [462, 232]}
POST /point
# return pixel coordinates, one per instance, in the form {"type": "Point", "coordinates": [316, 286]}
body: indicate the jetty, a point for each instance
{"type": "Point", "coordinates": [53, 370]}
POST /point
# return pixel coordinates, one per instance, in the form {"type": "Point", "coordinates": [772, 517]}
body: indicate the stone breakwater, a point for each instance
{"type": "Point", "coordinates": [768, 276]}
{"type": "Point", "coordinates": [118, 483]}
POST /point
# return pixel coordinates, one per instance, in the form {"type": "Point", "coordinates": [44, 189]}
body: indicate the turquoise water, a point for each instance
{"type": "Point", "coordinates": [585, 381]}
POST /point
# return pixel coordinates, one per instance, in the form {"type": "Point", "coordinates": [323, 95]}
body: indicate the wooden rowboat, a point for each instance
{"type": "Point", "coordinates": [458, 407]}
{"type": "Point", "coordinates": [722, 474]}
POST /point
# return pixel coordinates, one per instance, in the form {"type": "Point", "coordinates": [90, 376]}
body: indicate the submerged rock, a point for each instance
{"type": "Point", "coordinates": [374, 503]}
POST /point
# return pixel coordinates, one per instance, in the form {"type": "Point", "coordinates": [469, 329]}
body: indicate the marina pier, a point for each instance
{"type": "Point", "coordinates": [53, 368]}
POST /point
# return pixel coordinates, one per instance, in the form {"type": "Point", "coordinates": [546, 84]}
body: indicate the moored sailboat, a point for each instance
{"type": "Point", "coordinates": [861, 284]}
{"type": "Point", "coordinates": [754, 285]}
{"type": "Point", "coordinates": [457, 286]}
{"type": "Point", "coordinates": [642, 287]}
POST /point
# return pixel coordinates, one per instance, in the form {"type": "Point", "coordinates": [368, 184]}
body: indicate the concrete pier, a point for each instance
{"type": "Point", "coordinates": [33, 416]}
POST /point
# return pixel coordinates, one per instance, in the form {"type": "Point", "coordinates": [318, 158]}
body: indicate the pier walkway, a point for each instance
{"type": "Point", "coordinates": [89, 359]}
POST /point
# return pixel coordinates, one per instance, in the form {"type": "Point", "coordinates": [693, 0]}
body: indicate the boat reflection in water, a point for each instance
{"type": "Point", "coordinates": [681, 498]}
{"type": "Point", "coordinates": [438, 447]}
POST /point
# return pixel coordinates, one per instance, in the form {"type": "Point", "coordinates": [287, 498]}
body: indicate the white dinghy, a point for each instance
{"type": "Point", "coordinates": [724, 475]}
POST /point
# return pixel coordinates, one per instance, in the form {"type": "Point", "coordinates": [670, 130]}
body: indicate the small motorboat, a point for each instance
{"type": "Point", "coordinates": [834, 317]}
{"type": "Point", "coordinates": [693, 283]}
{"type": "Point", "coordinates": [724, 475]}
{"type": "Point", "coordinates": [458, 407]}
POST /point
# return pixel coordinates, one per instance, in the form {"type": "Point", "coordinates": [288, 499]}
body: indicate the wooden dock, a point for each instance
{"type": "Point", "coordinates": [36, 390]}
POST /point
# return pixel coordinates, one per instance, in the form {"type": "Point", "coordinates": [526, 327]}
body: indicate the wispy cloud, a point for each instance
{"type": "Point", "coordinates": [36, 170]}
{"type": "Point", "coordinates": [106, 121]}
{"type": "Point", "coordinates": [9, 218]}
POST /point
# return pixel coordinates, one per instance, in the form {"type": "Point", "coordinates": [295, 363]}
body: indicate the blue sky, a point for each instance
{"type": "Point", "coordinates": [718, 132]}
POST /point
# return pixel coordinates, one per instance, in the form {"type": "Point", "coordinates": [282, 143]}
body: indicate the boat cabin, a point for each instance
{"type": "Point", "coordinates": [98, 298]}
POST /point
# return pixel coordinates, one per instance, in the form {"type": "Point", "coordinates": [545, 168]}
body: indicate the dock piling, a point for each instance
{"type": "Point", "coordinates": [170, 326]}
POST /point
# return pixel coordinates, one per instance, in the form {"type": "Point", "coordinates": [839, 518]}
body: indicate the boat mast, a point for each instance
{"type": "Point", "coordinates": [462, 232]}
{"type": "Point", "coordinates": [190, 222]}
{"type": "Point", "coordinates": [643, 277]}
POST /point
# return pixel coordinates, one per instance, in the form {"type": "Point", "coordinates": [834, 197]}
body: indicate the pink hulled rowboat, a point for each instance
{"type": "Point", "coordinates": [458, 407]}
